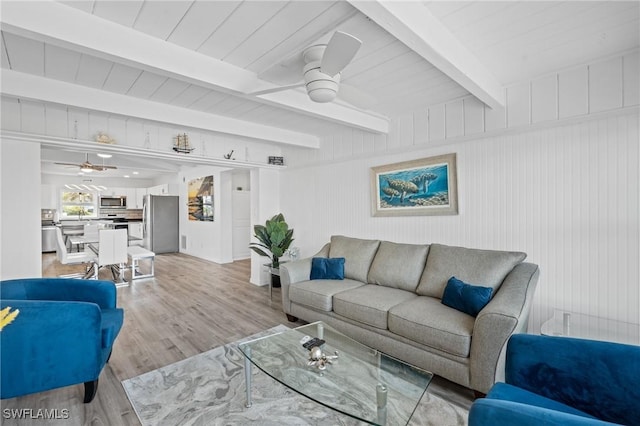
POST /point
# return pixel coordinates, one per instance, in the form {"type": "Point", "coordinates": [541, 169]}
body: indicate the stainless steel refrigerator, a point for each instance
{"type": "Point", "coordinates": [160, 223]}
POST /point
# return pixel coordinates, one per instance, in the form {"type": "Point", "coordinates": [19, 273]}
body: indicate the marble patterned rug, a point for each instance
{"type": "Point", "coordinates": [209, 389]}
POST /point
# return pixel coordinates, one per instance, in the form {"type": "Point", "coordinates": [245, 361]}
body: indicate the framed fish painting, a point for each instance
{"type": "Point", "coordinates": [427, 186]}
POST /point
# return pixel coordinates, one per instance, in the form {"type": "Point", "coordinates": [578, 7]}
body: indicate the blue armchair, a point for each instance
{"type": "Point", "coordinates": [62, 336]}
{"type": "Point", "coordinates": [563, 381]}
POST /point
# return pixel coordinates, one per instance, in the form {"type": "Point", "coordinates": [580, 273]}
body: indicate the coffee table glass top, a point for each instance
{"type": "Point", "coordinates": [362, 382]}
{"type": "Point", "coordinates": [571, 324]}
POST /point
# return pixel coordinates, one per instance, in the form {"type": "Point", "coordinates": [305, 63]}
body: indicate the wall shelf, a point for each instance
{"type": "Point", "coordinates": [95, 147]}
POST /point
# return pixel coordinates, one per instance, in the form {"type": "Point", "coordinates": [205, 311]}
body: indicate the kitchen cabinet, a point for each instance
{"type": "Point", "coordinates": [159, 189]}
{"type": "Point", "coordinates": [130, 193]}
{"type": "Point", "coordinates": [114, 192]}
{"type": "Point", "coordinates": [135, 198]}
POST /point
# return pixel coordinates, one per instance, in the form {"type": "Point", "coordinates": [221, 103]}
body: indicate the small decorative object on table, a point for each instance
{"type": "Point", "coordinates": [278, 161]}
{"type": "Point", "coordinates": [293, 253]}
{"type": "Point", "coordinates": [317, 358]}
{"type": "Point", "coordinates": [181, 144]}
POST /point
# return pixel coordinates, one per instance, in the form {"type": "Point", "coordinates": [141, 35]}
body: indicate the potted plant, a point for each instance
{"type": "Point", "coordinates": [274, 238]}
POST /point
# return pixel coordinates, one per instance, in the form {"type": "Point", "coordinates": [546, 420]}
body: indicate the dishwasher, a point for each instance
{"type": "Point", "coordinates": [48, 239]}
{"type": "Point", "coordinates": [48, 231]}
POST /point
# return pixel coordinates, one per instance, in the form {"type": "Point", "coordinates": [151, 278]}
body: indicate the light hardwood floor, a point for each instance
{"type": "Point", "coordinates": [191, 306]}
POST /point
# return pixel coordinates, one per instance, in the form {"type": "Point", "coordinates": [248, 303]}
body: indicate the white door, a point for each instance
{"type": "Point", "coordinates": [241, 201]}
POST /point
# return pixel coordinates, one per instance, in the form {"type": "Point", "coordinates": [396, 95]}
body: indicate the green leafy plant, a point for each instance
{"type": "Point", "coordinates": [275, 237]}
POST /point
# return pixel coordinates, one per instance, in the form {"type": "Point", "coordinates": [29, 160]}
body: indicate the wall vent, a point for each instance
{"type": "Point", "coordinates": [183, 242]}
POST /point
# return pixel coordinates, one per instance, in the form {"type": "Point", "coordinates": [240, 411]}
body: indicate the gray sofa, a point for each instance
{"type": "Point", "coordinates": [390, 299]}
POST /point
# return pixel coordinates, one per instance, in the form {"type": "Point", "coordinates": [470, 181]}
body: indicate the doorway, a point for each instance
{"type": "Point", "coordinates": [241, 214]}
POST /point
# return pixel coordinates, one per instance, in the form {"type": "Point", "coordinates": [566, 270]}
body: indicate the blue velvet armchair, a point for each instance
{"type": "Point", "coordinates": [563, 381]}
{"type": "Point", "coordinates": [62, 336]}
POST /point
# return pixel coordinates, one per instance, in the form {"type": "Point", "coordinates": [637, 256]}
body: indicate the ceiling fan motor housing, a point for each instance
{"type": "Point", "coordinates": [321, 87]}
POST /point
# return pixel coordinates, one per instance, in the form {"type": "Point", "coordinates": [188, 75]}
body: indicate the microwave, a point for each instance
{"type": "Point", "coordinates": [115, 202]}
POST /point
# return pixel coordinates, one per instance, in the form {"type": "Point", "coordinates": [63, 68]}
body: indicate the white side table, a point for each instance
{"type": "Point", "coordinates": [571, 324]}
{"type": "Point", "coordinates": [272, 271]}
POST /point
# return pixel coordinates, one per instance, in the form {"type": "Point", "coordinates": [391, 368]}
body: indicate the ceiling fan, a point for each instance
{"type": "Point", "coordinates": [323, 64]}
{"type": "Point", "coordinates": [89, 167]}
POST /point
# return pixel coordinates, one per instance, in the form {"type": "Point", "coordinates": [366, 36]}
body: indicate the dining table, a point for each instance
{"type": "Point", "coordinates": [80, 240]}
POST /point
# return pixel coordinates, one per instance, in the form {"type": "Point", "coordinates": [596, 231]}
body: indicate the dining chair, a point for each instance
{"type": "Point", "coordinates": [91, 231]}
{"type": "Point", "coordinates": [86, 257]}
{"type": "Point", "coordinates": [112, 252]}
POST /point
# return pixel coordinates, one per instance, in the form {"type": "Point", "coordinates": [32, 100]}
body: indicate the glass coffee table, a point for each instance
{"type": "Point", "coordinates": [361, 382]}
{"type": "Point", "coordinates": [572, 324]}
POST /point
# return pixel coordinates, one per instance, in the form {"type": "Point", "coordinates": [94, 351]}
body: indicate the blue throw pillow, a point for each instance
{"type": "Point", "coordinates": [466, 298]}
{"type": "Point", "coordinates": [323, 268]}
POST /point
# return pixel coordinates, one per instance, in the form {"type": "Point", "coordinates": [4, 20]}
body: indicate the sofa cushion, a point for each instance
{"type": "Point", "coordinates": [427, 321]}
{"type": "Point", "coordinates": [466, 298]}
{"type": "Point", "coordinates": [487, 268]}
{"type": "Point", "coordinates": [358, 255]}
{"type": "Point", "coordinates": [398, 265]}
{"type": "Point", "coordinates": [324, 268]}
{"type": "Point", "coordinates": [369, 304]}
{"type": "Point", "coordinates": [318, 294]}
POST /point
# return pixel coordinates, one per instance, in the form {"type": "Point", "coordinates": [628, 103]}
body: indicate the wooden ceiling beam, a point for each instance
{"type": "Point", "coordinates": [73, 29]}
{"type": "Point", "coordinates": [412, 23]}
{"type": "Point", "coordinates": [32, 87]}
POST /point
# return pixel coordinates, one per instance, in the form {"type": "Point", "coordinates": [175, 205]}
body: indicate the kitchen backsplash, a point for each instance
{"type": "Point", "coordinates": [121, 213]}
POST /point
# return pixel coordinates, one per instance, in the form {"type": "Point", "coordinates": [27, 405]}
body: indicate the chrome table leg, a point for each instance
{"type": "Point", "coordinates": [381, 400]}
{"type": "Point", "coordinates": [247, 376]}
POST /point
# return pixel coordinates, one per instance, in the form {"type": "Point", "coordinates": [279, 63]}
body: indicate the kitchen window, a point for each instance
{"type": "Point", "coordinates": [76, 204]}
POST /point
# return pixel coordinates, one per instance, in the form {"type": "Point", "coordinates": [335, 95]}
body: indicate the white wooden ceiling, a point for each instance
{"type": "Point", "coordinates": [202, 59]}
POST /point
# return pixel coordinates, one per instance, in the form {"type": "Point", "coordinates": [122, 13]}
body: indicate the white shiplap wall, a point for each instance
{"type": "Point", "coordinates": [554, 175]}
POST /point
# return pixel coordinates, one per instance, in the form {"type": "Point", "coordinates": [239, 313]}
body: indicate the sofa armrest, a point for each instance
{"type": "Point", "coordinates": [49, 345]}
{"type": "Point", "coordinates": [599, 378]}
{"type": "Point", "coordinates": [506, 314]}
{"type": "Point", "coordinates": [292, 272]}
{"type": "Point", "coordinates": [492, 412]}
{"type": "Point", "coordinates": [100, 292]}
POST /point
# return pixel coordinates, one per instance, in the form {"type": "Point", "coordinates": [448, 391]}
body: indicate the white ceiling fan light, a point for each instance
{"type": "Point", "coordinates": [324, 62]}
{"type": "Point", "coordinates": [321, 87]}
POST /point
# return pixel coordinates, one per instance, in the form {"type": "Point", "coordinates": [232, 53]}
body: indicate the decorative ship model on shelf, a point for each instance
{"type": "Point", "coordinates": [181, 144]}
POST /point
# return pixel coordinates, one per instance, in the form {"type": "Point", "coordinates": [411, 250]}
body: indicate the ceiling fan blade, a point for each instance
{"type": "Point", "coordinates": [69, 164]}
{"type": "Point", "coordinates": [103, 167]}
{"type": "Point", "coordinates": [286, 72]}
{"type": "Point", "coordinates": [339, 52]}
{"type": "Point", "coordinates": [276, 89]}
{"type": "Point", "coordinates": [356, 97]}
